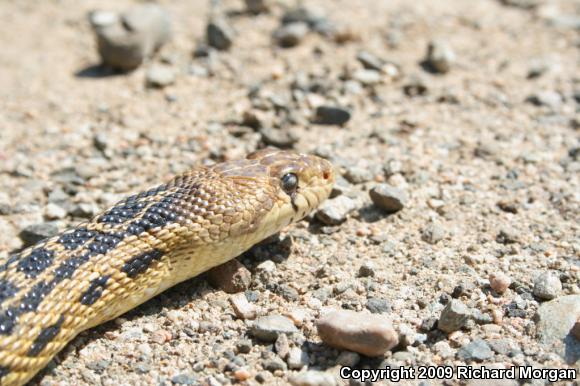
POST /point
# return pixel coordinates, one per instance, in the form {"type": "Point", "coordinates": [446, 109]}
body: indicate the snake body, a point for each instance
{"type": "Point", "coordinates": [143, 245]}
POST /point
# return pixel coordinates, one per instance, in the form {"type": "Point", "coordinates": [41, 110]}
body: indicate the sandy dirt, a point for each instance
{"type": "Point", "coordinates": [487, 154]}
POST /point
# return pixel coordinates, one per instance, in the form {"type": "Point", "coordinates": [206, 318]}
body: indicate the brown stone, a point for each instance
{"type": "Point", "coordinates": [231, 277]}
{"type": "Point", "coordinates": [367, 334]}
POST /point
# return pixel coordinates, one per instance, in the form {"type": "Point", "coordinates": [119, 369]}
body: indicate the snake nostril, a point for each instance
{"type": "Point", "coordinates": [326, 175]}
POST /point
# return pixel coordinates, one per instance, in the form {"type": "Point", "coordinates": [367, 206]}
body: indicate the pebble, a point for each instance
{"type": "Point", "coordinates": [267, 267]}
{"type": "Point", "coordinates": [312, 378]}
{"type": "Point", "coordinates": [555, 320]}
{"type": "Point", "coordinates": [244, 346]}
{"type": "Point", "coordinates": [547, 286]}
{"type": "Point", "coordinates": [335, 211]}
{"type": "Point", "coordinates": [219, 33]}
{"type": "Point", "coordinates": [242, 308]}
{"type": "Point", "coordinates": [282, 346]}
{"type": "Point", "coordinates": [268, 328]}
{"type": "Point", "coordinates": [370, 61]}
{"type": "Point", "coordinates": [378, 305]}
{"type": "Point", "coordinates": [291, 34]}
{"type": "Point", "coordinates": [332, 115]}
{"type": "Point", "coordinates": [297, 358]}
{"type": "Point", "coordinates": [184, 379]}
{"type": "Point", "coordinates": [309, 15]}
{"type": "Point", "coordinates": [282, 138]}
{"type": "Point", "coordinates": [453, 317]}
{"type": "Point", "coordinates": [367, 334]}
{"type": "Point", "coordinates": [125, 41]}
{"type": "Point", "coordinates": [416, 86]}
{"type": "Point", "coordinates": [242, 375]}
{"type": "Point", "coordinates": [257, 6]}
{"type": "Point", "coordinates": [507, 235]}
{"type": "Point", "coordinates": [440, 56]}
{"type": "Point", "coordinates": [443, 349]}
{"type": "Point", "coordinates": [548, 98]}
{"type": "Point", "coordinates": [478, 351]}
{"type": "Point", "coordinates": [32, 234]}
{"type": "Point", "coordinates": [53, 211]}
{"type": "Point", "coordinates": [433, 233]}
{"type": "Point", "coordinates": [274, 364]}
{"type": "Point", "coordinates": [367, 77]}
{"type": "Point", "coordinates": [388, 198]}
{"type": "Point", "coordinates": [499, 282]}
{"type": "Point", "coordinates": [358, 175]}
{"type": "Point", "coordinates": [367, 269]}
{"type": "Point", "coordinates": [231, 277]}
{"type": "Point", "coordinates": [159, 76]}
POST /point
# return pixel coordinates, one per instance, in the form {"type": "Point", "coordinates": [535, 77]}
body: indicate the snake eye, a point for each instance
{"type": "Point", "coordinates": [289, 182]}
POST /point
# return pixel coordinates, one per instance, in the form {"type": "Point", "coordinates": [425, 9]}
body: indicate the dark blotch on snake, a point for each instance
{"type": "Point", "coordinates": [76, 238]}
{"type": "Point", "coordinates": [7, 290]}
{"type": "Point", "coordinates": [4, 371]}
{"type": "Point", "coordinates": [36, 262]}
{"type": "Point", "coordinates": [45, 337]}
{"type": "Point", "coordinates": [141, 262]}
{"type": "Point", "coordinates": [95, 290]}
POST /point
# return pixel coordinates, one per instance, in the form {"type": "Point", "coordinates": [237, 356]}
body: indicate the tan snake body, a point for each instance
{"type": "Point", "coordinates": [143, 245]}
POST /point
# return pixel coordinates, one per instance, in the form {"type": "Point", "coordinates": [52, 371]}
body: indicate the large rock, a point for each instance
{"type": "Point", "coordinates": [555, 320]}
{"type": "Point", "coordinates": [367, 334]}
{"type": "Point", "coordinates": [124, 41]}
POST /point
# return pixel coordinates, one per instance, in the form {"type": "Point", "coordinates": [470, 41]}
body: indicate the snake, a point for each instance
{"type": "Point", "coordinates": [145, 244]}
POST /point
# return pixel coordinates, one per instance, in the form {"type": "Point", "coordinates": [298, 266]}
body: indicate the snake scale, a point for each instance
{"type": "Point", "coordinates": [143, 245]}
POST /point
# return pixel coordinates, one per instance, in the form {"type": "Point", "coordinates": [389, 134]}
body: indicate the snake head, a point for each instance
{"type": "Point", "coordinates": [290, 185]}
{"type": "Point", "coordinates": [303, 181]}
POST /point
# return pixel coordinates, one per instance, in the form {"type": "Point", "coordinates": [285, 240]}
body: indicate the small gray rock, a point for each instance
{"type": "Point", "coordinates": [547, 286]}
{"type": "Point", "coordinates": [453, 317]}
{"type": "Point", "coordinates": [546, 98]}
{"type": "Point", "coordinates": [184, 379]}
{"type": "Point", "coordinates": [282, 138]}
{"type": "Point", "coordinates": [378, 306]}
{"type": "Point", "coordinates": [312, 17]}
{"type": "Point", "coordinates": [160, 76]}
{"type": "Point", "coordinates": [32, 234]}
{"type": "Point", "coordinates": [433, 233]}
{"type": "Point", "coordinates": [257, 6]}
{"type": "Point", "coordinates": [312, 378]}
{"type": "Point", "coordinates": [335, 211]}
{"type": "Point", "coordinates": [244, 346]}
{"type": "Point", "coordinates": [478, 351]}
{"type": "Point", "coordinates": [219, 33]}
{"type": "Point", "coordinates": [388, 198]}
{"type": "Point", "coordinates": [367, 77]}
{"type": "Point", "coordinates": [297, 358]}
{"type": "Point", "coordinates": [507, 235]}
{"type": "Point", "coordinates": [440, 56]}
{"type": "Point", "coordinates": [290, 35]}
{"type": "Point", "coordinates": [332, 115]}
{"type": "Point", "coordinates": [54, 211]}
{"type": "Point", "coordinates": [358, 175]}
{"type": "Point", "coordinates": [268, 328]}
{"type": "Point", "coordinates": [274, 364]}
{"type": "Point", "coordinates": [370, 61]}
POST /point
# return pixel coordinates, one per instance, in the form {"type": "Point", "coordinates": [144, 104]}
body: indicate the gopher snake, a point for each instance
{"type": "Point", "coordinates": [143, 245]}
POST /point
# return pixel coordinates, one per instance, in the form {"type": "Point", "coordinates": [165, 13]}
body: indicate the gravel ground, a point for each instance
{"type": "Point", "coordinates": [455, 222]}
